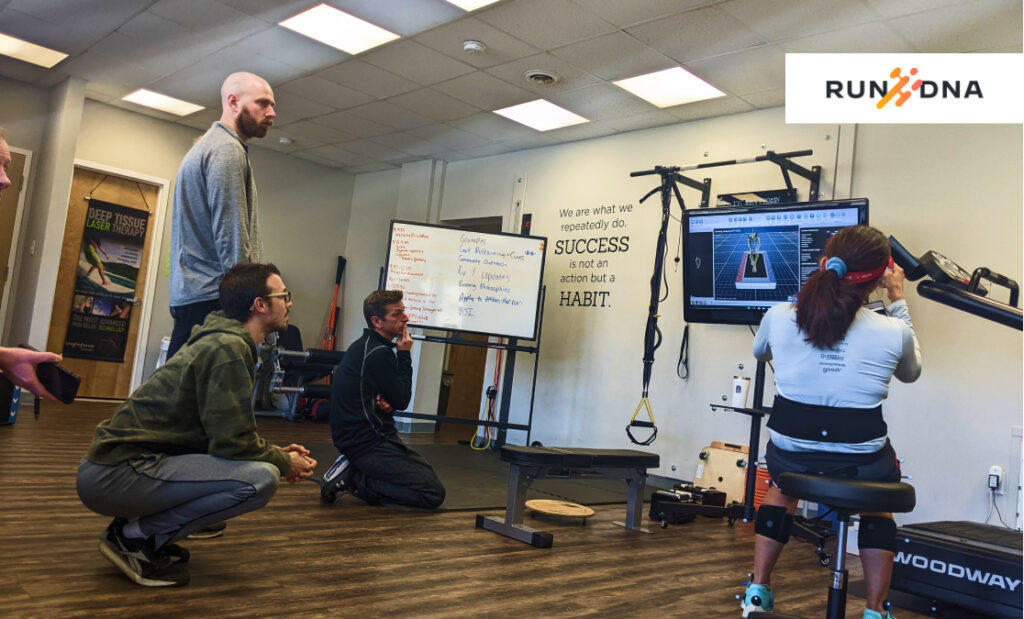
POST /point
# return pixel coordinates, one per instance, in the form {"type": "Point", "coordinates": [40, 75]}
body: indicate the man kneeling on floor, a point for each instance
{"type": "Point", "coordinates": [182, 451]}
{"type": "Point", "coordinates": [374, 379]}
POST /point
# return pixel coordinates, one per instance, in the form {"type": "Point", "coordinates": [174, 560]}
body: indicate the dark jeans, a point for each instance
{"type": "Point", "coordinates": [185, 317]}
{"type": "Point", "coordinates": [174, 496]}
{"type": "Point", "coordinates": [393, 473]}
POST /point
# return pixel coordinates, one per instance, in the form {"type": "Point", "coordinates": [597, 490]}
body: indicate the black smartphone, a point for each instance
{"type": "Point", "coordinates": [58, 380]}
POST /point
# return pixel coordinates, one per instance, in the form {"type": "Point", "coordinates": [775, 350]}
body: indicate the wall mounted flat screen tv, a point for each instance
{"type": "Point", "coordinates": [740, 261]}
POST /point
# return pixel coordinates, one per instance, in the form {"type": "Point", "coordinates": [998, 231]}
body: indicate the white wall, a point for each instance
{"type": "Point", "coordinates": [953, 189]}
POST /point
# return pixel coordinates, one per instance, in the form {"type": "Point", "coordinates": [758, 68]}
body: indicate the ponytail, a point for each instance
{"type": "Point", "coordinates": [827, 304]}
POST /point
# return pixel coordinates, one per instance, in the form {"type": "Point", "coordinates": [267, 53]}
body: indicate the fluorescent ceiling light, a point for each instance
{"type": "Point", "coordinates": [29, 52]}
{"type": "Point", "coordinates": [674, 86]}
{"type": "Point", "coordinates": [161, 102]}
{"type": "Point", "coordinates": [338, 29]}
{"type": "Point", "coordinates": [541, 115]}
{"type": "Point", "coordinates": [470, 5]}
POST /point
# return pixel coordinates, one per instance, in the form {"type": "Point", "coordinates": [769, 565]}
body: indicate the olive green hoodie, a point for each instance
{"type": "Point", "coordinates": [199, 402]}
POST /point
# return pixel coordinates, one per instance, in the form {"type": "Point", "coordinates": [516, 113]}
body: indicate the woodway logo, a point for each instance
{"type": "Point", "coordinates": [881, 90]}
{"type": "Point", "coordinates": [958, 571]}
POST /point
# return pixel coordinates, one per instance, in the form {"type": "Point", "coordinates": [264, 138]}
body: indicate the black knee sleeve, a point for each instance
{"type": "Point", "coordinates": [774, 523]}
{"type": "Point", "coordinates": [877, 532]}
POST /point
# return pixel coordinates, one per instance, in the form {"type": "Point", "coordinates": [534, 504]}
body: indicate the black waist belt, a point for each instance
{"type": "Point", "coordinates": [829, 424]}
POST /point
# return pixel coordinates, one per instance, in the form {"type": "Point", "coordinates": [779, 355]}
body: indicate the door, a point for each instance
{"type": "Point", "coordinates": [465, 366]}
{"type": "Point", "coordinates": [8, 219]}
{"type": "Point", "coordinates": [100, 379]}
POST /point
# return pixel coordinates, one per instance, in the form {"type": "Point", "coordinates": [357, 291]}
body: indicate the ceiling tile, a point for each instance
{"type": "Point", "coordinates": [778, 20]}
{"type": "Point", "coordinates": [712, 107]}
{"type": "Point", "coordinates": [270, 11]}
{"type": "Point", "coordinates": [485, 91]}
{"type": "Point", "coordinates": [492, 126]}
{"type": "Point", "coordinates": [545, 24]}
{"type": "Point", "coordinates": [41, 32]}
{"type": "Point", "coordinates": [309, 155]}
{"type": "Point", "coordinates": [202, 119]}
{"type": "Point", "coordinates": [291, 107]}
{"type": "Point", "coordinates": [501, 47]}
{"type": "Point", "coordinates": [700, 33]}
{"type": "Point", "coordinates": [645, 120]}
{"type": "Point", "coordinates": [767, 98]}
{"type": "Point", "coordinates": [614, 56]}
{"type": "Point", "coordinates": [449, 137]}
{"type": "Point", "coordinates": [292, 48]}
{"type": "Point", "coordinates": [274, 143]}
{"type": "Point", "coordinates": [963, 27]}
{"type": "Point", "coordinates": [90, 20]}
{"type": "Point", "coordinates": [208, 16]}
{"type": "Point", "coordinates": [390, 115]}
{"type": "Point", "coordinates": [308, 134]}
{"type": "Point", "coordinates": [403, 141]}
{"type": "Point", "coordinates": [601, 102]}
{"type": "Point", "coordinates": [486, 150]}
{"type": "Point", "coordinates": [370, 167]}
{"type": "Point", "coordinates": [373, 150]}
{"type": "Point", "coordinates": [359, 127]}
{"type": "Point", "coordinates": [569, 76]}
{"type": "Point", "coordinates": [326, 92]}
{"type": "Point", "coordinates": [744, 72]}
{"type": "Point", "coordinates": [625, 13]}
{"type": "Point", "coordinates": [434, 105]}
{"type": "Point", "coordinates": [23, 71]}
{"type": "Point", "coordinates": [585, 131]}
{"type": "Point", "coordinates": [416, 62]}
{"type": "Point", "coordinates": [336, 154]}
{"type": "Point", "coordinates": [193, 91]}
{"type": "Point", "coordinates": [367, 78]}
{"type": "Point", "coordinates": [865, 38]}
{"type": "Point", "coordinates": [889, 9]}
{"type": "Point", "coordinates": [404, 17]}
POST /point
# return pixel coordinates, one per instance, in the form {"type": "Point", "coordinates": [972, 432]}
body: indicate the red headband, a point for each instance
{"type": "Point", "coordinates": [859, 277]}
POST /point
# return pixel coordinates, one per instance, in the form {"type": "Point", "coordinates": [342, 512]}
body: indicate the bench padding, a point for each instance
{"type": "Point", "coordinates": [578, 457]}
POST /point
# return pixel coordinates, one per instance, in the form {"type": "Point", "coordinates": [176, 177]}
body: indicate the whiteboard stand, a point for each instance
{"type": "Point", "coordinates": [511, 347]}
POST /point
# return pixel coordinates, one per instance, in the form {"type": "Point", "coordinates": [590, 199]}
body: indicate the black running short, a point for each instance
{"type": "Point", "coordinates": [879, 465]}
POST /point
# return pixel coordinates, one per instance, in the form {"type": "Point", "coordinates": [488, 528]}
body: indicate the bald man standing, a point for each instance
{"type": "Point", "coordinates": [215, 222]}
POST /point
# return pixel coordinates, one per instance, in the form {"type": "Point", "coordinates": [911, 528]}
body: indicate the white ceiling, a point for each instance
{"type": "Point", "coordinates": [423, 97]}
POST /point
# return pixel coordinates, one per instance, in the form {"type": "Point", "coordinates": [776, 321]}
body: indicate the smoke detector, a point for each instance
{"type": "Point", "coordinates": [284, 140]}
{"type": "Point", "coordinates": [473, 47]}
{"type": "Point", "coordinates": [541, 78]}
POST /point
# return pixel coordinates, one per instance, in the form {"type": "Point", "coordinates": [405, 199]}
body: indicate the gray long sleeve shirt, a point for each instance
{"type": "Point", "coordinates": [215, 223]}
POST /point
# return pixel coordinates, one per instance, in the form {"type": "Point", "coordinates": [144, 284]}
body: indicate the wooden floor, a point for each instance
{"type": "Point", "coordinates": [298, 557]}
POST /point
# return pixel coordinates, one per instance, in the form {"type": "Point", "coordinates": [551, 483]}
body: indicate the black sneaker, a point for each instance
{"type": "Point", "coordinates": [336, 481]}
{"type": "Point", "coordinates": [175, 553]}
{"type": "Point", "coordinates": [210, 530]}
{"type": "Point", "coordinates": [139, 560]}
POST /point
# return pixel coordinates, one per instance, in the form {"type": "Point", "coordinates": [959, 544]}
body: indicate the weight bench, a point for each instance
{"type": "Point", "coordinates": [525, 464]}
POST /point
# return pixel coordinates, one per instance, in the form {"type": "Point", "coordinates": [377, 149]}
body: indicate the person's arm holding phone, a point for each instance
{"type": "Point", "coordinates": [19, 366]}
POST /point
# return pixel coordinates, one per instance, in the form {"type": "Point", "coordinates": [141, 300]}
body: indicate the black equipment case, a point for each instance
{"type": "Point", "coordinates": [966, 563]}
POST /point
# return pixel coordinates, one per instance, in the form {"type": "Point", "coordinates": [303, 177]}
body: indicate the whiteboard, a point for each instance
{"type": "Point", "coordinates": [458, 280]}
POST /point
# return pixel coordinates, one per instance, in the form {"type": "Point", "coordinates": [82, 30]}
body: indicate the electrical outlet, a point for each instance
{"type": "Point", "coordinates": [995, 479]}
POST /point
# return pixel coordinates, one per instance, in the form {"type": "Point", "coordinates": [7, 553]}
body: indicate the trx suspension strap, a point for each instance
{"type": "Point", "coordinates": [652, 334]}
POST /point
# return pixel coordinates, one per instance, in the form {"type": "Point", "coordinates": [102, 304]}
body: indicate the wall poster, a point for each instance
{"type": "Point", "coordinates": [105, 284]}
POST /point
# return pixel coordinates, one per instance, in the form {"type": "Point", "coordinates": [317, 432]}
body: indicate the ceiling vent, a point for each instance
{"type": "Point", "coordinates": [540, 78]}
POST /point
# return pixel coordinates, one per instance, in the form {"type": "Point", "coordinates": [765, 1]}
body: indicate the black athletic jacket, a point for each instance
{"type": "Point", "coordinates": [373, 363]}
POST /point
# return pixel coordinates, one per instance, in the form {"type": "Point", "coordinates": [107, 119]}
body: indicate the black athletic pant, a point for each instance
{"type": "Point", "coordinates": [185, 317]}
{"type": "Point", "coordinates": [393, 473]}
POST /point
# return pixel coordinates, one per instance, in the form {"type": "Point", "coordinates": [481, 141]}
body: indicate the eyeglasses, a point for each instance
{"type": "Point", "coordinates": [286, 295]}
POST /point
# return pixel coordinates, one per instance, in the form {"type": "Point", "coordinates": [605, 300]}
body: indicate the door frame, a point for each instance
{"type": "Point", "coordinates": [16, 245]}
{"type": "Point", "coordinates": [152, 259]}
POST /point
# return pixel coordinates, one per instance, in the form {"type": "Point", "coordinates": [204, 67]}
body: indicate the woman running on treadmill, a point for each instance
{"type": "Point", "coordinates": [834, 357]}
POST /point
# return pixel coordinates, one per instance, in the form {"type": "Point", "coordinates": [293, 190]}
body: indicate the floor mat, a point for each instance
{"type": "Point", "coordinates": [479, 479]}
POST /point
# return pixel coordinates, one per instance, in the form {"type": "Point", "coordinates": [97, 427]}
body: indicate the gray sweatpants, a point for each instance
{"type": "Point", "coordinates": [173, 496]}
